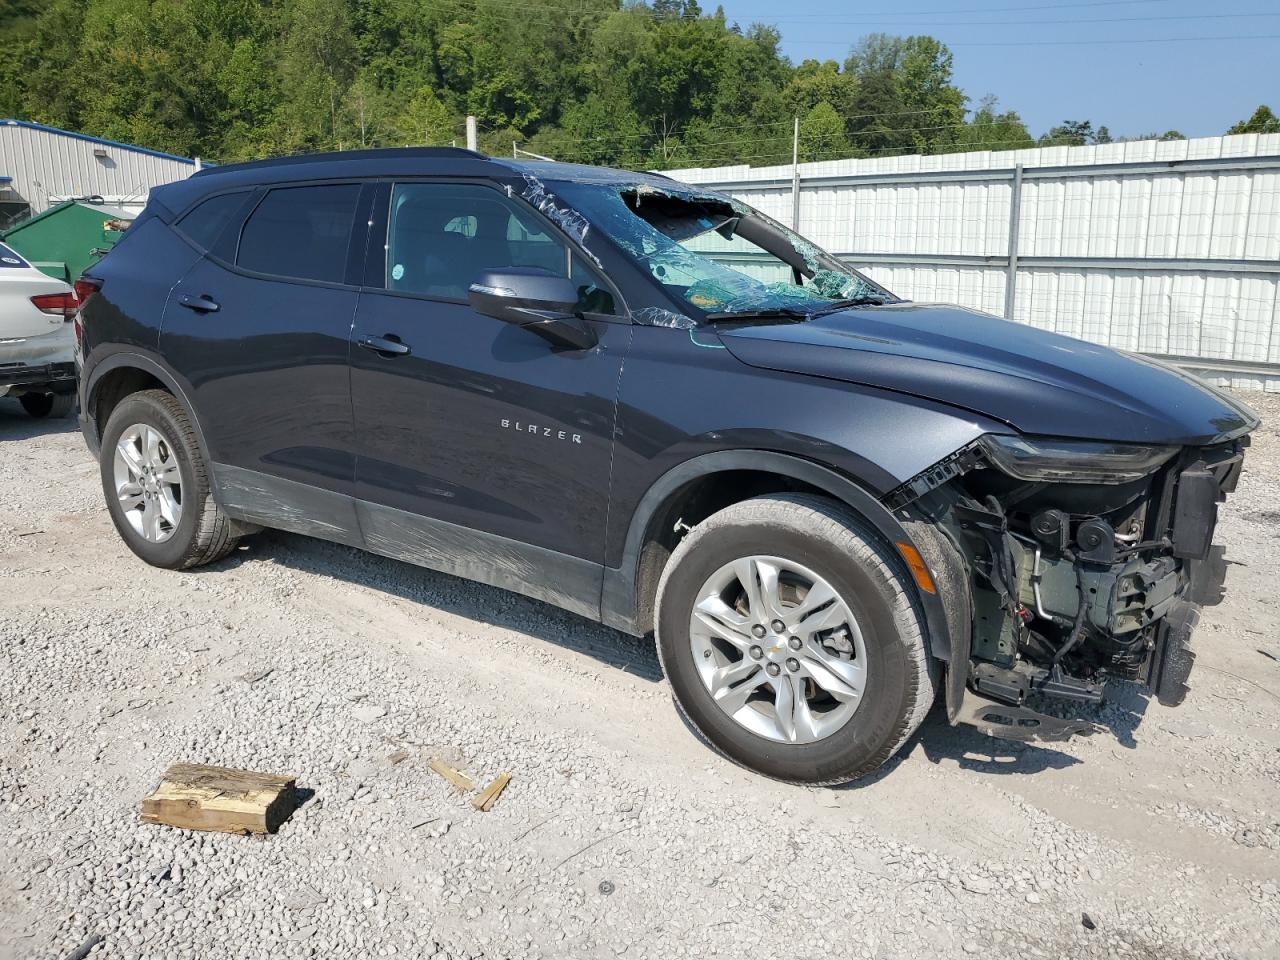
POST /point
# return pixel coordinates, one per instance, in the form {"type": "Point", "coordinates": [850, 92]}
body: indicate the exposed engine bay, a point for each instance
{"type": "Point", "coordinates": [1084, 562]}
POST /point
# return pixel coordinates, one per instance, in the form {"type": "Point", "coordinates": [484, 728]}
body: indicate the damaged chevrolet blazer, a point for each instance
{"type": "Point", "coordinates": [653, 406]}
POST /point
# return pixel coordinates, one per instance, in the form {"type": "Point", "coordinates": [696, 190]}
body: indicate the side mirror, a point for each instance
{"type": "Point", "coordinates": [535, 299]}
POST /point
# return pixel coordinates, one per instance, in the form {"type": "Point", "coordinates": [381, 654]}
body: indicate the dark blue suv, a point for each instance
{"type": "Point", "coordinates": [656, 407]}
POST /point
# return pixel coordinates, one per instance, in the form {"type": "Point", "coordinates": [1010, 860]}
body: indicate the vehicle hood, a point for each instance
{"type": "Point", "coordinates": [1035, 381]}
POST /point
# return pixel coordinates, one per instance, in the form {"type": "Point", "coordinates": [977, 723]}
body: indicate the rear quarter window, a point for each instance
{"type": "Point", "coordinates": [300, 232]}
{"type": "Point", "coordinates": [206, 221]}
{"type": "Point", "coordinates": [9, 257]}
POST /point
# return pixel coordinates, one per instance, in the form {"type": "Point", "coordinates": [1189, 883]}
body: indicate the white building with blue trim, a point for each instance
{"type": "Point", "coordinates": [41, 166]}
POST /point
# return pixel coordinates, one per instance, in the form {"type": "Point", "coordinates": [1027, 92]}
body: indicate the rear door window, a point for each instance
{"type": "Point", "coordinates": [301, 232]}
{"type": "Point", "coordinates": [206, 221]}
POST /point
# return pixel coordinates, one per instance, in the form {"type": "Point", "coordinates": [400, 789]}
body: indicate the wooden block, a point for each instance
{"type": "Point", "coordinates": [489, 795]}
{"type": "Point", "coordinates": [459, 779]}
{"type": "Point", "coordinates": [199, 797]}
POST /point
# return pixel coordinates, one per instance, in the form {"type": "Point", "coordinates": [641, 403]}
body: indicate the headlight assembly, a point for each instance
{"type": "Point", "coordinates": [1073, 461]}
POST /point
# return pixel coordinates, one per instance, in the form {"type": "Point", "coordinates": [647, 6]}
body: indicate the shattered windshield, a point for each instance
{"type": "Point", "coordinates": [717, 257]}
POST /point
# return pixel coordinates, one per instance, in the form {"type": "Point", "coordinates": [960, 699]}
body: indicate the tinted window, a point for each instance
{"type": "Point", "coordinates": [442, 236]}
{"type": "Point", "coordinates": [204, 224]}
{"type": "Point", "coordinates": [593, 295]}
{"type": "Point", "coordinates": [300, 232]}
{"type": "Point", "coordinates": [9, 257]}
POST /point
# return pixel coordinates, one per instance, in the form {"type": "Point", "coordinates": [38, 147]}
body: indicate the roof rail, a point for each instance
{"type": "Point", "coordinates": [382, 153]}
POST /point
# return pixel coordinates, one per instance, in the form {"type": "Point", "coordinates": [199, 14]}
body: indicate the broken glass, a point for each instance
{"type": "Point", "coordinates": [711, 253]}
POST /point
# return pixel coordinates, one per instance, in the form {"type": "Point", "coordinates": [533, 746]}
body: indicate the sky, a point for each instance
{"type": "Point", "coordinates": [1015, 49]}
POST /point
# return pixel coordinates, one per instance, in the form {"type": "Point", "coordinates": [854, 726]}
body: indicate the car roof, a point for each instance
{"type": "Point", "coordinates": [402, 161]}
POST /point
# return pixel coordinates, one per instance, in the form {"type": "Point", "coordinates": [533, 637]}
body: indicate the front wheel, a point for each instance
{"type": "Point", "coordinates": [792, 640]}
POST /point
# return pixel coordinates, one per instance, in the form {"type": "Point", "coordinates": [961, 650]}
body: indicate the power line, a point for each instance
{"type": "Point", "coordinates": [1041, 6]}
{"type": "Point", "coordinates": [751, 125]}
{"type": "Point", "coordinates": [540, 13]}
{"type": "Point", "coordinates": [550, 13]}
{"type": "Point", "coordinates": [544, 5]}
{"type": "Point", "coordinates": [856, 135]}
{"type": "Point", "coordinates": [1034, 23]}
{"type": "Point", "coordinates": [1080, 43]}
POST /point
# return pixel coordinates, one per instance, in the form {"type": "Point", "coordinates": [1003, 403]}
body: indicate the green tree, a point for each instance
{"type": "Point", "coordinates": [1262, 121]}
{"type": "Point", "coordinates": [425, 120]}
{"type": "Point", "coordinates": [815, 82]}
{"type": "Point", "coordinates": [1167, 135]}
{"type": "Point", "coordinates": [1070, 133]}
{"type": "Point", "coordinates": [619, 82]}
{"type": "Point", "coordinates": [316, 63]}
{"type": "Point", "coordinates": [48, 70]}
{"type": "Point", "coordinates": [991, 130]}
{"type": "Point", "coordinates": [905, 99]}
{"type": "Point", "coordinates": [822, 135]}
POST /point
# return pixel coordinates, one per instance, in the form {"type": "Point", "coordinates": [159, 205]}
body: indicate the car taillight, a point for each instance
{"type": "Point", "coordinates": [57, 304]}
{"type": "Point", "coordinates": [85, 288]}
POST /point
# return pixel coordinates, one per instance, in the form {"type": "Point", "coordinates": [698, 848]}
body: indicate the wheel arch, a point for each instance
{"type": "Point", "coordinates": [628, 591]}
{"type": "Point", "coordinates": [116, 377]}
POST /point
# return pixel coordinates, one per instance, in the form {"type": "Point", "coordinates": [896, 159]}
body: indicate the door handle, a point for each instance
{"type": "Point", "coordinates": [388, 346]}
{"type": "Point", "coordinates": [201, 304]}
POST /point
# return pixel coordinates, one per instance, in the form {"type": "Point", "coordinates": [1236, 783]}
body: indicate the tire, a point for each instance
{"type": "Point", "coordinates": [883, 631]}
{"type": "Point", "coordinates": [54, 406]}
{"type": "Point", "coordinates": [203, 532]}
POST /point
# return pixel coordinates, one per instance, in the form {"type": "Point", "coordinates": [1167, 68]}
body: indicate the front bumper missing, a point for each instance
{"type": "Point", "coordinates": [1008, 722]}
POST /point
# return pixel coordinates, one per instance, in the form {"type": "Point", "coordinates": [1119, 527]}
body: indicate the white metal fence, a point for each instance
{"type": "Point", "coordinates": [1170, 248]}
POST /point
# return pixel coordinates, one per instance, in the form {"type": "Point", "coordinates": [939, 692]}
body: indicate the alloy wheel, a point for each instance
{"type": "Point", "coordinates": [148, 482]}
{"type": "Point", "coordinates": [778, 649]}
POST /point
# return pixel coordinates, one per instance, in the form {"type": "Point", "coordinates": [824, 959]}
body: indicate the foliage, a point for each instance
{"type": "Point", "coordinates": [904, 98]}
{"type": "Point", "coordinates": [620, 82]}
{"type": "Point", "coordinates": [1073, 133]}
{"type": "Point", "coordinates": [990, 130]}
{"type": "Point", "coordinates": [1262, 121]}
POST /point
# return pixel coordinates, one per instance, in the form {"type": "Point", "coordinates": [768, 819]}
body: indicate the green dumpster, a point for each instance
{"type": "Point", "coordinates": [67, 237]}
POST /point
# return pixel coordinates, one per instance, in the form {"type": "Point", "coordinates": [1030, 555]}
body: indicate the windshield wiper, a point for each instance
{"type": "Point", "coordinates": [837, 305]}
{"type": "Point", "coordinates": [770, 313]}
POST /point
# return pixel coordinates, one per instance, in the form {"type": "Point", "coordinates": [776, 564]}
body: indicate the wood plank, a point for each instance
{"type": "Point", "coordinates": [199, 797]}
{"type": "Point", "coordinates": [459, 779]}
{"type": "Point", "coordinates": [489, 795]}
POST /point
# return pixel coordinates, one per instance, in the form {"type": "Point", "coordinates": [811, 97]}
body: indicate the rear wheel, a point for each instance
{"type": "Point", "coordinates": [155, 480]}
{"type": "Point", "coordinates": [792, 641]}
{"type": "Point", "coordinates": [55, 406]}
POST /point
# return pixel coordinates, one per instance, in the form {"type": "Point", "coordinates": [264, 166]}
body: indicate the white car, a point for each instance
{"type": "Point", "coordinates": [37, 339]}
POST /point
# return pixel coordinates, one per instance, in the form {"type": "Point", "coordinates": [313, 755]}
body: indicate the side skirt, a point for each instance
{"type": "Point", "coordinates": [556, 578]}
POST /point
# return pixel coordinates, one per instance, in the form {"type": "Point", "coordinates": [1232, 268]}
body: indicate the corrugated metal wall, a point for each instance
{"type": "Point", "coordinates": [1169, 248]}
{"type": "Point", "coordinates": [46, 164]}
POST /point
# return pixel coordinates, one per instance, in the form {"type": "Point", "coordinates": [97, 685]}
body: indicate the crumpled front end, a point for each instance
{"type": "Point", "coordinates": [1084, 561]}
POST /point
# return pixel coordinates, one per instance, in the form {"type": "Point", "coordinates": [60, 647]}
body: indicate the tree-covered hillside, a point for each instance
{"type": "Point", "coordinates": [657, 85]}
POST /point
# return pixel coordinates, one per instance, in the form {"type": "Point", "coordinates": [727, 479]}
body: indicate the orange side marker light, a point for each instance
{"type": "Point", "coordinates": [918, 570]}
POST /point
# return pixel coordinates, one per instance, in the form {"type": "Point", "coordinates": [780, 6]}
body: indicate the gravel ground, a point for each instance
{"type": "Point", "coordinates": [619, 835]}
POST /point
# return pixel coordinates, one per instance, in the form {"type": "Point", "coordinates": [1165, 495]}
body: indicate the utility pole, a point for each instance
{"type": "Point", "coordinates": [795, 177]}
{"type": "Point", "coordinates": [1015, 217]}
{"type": "Point", "coordinates": [471, 133]}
